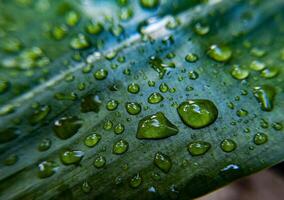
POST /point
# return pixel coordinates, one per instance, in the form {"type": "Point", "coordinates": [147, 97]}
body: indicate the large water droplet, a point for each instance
{"type": "Point", "coordinates": [66, 127]}
{"type": "Point", "coordinates": [198, 113]}
{"type": "Point", "coordinates": [155, 126]}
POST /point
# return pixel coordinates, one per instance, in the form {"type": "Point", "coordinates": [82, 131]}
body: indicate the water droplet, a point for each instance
{"type": "Point", "coordinates": [133, 88]}
{"type": "Point", "coordinates": [155, 98]}
{"type": "Point", "coordinates": [59, 32]}
{"type": "Point", "coordinates": [277, 126]}
{"type": "Point", "coordinates": [80, 42]}
{"type": "Point", "coordinates": [4, 86]}
{"type": "Point", "coordinates": [71, 157]}
{"type": "Point", "coordinates": [257, 52]}
{"type": "Point", "coordinates": [68, 96]}
{"type": "Point", "coordinates": [44, 145]}
{"type": "Point", "coordinates": [193, 75]}
{"type": "Point", "coordinates": [159, 66]}
{"type": "Point", "coordinates": [86, 187]}
{"type": "Point", "coordinates": [198, 148]}
{"type": "Point", "coordinates": [198, 113]}
{"type": "Point", "coordinates": [108, 125]}
{"type": "Point", "coordinates": [191, 57]}
{"type": "Point", "coordinates": [112, 105]}
{"type": "Point", "coordinates": [201, 29]}
{"type": "Point", "coordinates": [155, 126]}
{"type": "Point", "coordinates": [66, 127]}
{"type": "Point", "coordinates": [8, 134]}
{"type": "Point", "coordinates": [135, 181]}
{"type": "Point", "coordinates": [119, 129]}
{"type": "Point", "coordinates": [133, 108]}
{"type": "Point", "coordinates": [101, 74]}
{"type": "Point", "coordinates": [90, 103]}
{"type": "Point", "coordinates": [47, 169]}
{"type": "Point", "coordinates": [149, 4]}
{"type": "Point", "coordinates": [228, 145]}
{"type": "Point", "coordinates": [94, 28]}
{"type": "Point", "coordinates": [260, 138]}
{"type": "Point", "coordinates": [92, 140]}
{"type": "Point", "coordinates": [164, 87]}
{"type": "Point", "coordinates": [163, 162]}
{"type": "Point", "coordinates": [239, 73]}
{"type": "Point", "coordinates": [220, 53]}
{"type": "Point", "coordinates": [257, 65]}
{"type": "Point", "coordinates": [242, 113]}
{"type": "Point", "coordinates": [39, 114]}
{"type": "Point", "coordinates": [10, 160]}
{"type": "Point", "coordinates": [99, 162]}
{"type": "Point", "coordinates": [120, 147]}
{"type": "Point", "coordinates": [270, 72]}
{"type": "Point", "coordinates": [265, 95]}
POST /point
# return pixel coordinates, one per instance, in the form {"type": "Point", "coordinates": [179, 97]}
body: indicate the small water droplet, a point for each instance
{"type": "Point", "coordinates": [47, 169]}
{"type": "Point", "coordinates": [80, 42]}
{"type": "Point", "coordinates": [66, 127]}
{"type": "Point", "coordinates": [149, 4]}
{"type": "Point", "coordinates": [120, 147]}
{"type": "Point", "coordinates": [239, 73]}
{"type": "Point", "coordinates": [101, 74]}
{"type": "Point", "coordinates": [92, 140]}
{"type": "Point", "coordinates": [228, 145]}
{"type": "Point", "coordinates": [133, 108]}
{"type": "Point", "coordinates": [39, 114]}
{"type": "Point", "coordinates": [163, 162]}
{"type": "Point", "coordinates": [198, 148]}
{"type": "Point", "coordinates": [265, 96]}
{"type": "Point", "coordinates": [99, 162]}
{"type": "Point", "coordinates": [71, 157]}
{"type": "Point", "coordinates": [260, 138]}
{"type": "Point", "coordinates": [155, 98]}
{"type": "Point", "coordinates": [112, 105]}
{"type": "Point", "coordinates": [136, 181]}
{"type": "Point", "coordinates": [119, 129]}
{"type": "Point", "coordinates": [219, 53]}
{"type": "Point", "coordinates": [86, 187]}
{"type": "Point", "coordinates": [191, 57]}
{"type": "Point", "coordinates": [44, 145]}
{"type": "Point", "coordinates": [133, 88]}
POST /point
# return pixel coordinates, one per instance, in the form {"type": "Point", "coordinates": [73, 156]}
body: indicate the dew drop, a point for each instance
{"type": "Point", "coordinates": [133, 108]}
{"type": "Point", "coordinates": [80, 42]}
{"type": "Point", "coordinates": [163, 162]}
{"type": "Point", "coordinates": [119, 129]}
{"type": "Point", "coordinates": [198, 113]}
{"type": "Point", "coordinates": [228, 145]}
{"type": "Point", "coordinates": [239, 73]}
{"type": "Point", "coordinates": [219, 53]}
{"type": "Point", "coordinates": [133, 88]}
{"type": "Point", "coordinates": [66, 127]}
{"type": "Point", "coordinates": [112, 105]}
{"type": "Point", "coordinates": [155, 98]}
{"type": "Point", "coordinates": [260, 138]}
{"type": "Point", "coordinates": [71, 157]}
{"type": "Point", "coordinates": [39, 114]}
{"type": "Point", "coordinates": [120, 147]}
{"type": "Point", "coordinates": [101, 74]}
{"type": "Point", "coordinates": [86, 187]}
{"type": "Point", "coordinates": [99, 162]}
{"type": "Point", "coordinates": [191, 57]}
{"type": "Point", "coordinates": [198, 148]}
{"type": "Point", "coordinates": [136, 181]}
{"type": "Point", "coordinates": [265, 96]}
{"type": "Point", "coordinates": [90, 103]}
{"type": "Point", "coordinates": [155, 126]}
{"type": "Point", "coordinates": [149, 4]}
{"type": "Point", "coordinates": [92, 140]}
{"type": "Point", "coordinates": [47, 169]}
{"type": "Point", "coordinates": [44, 145]}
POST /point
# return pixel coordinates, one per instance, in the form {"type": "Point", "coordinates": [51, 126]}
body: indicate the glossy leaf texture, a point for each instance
{"type": "Point", "coordinates": [141, 99]}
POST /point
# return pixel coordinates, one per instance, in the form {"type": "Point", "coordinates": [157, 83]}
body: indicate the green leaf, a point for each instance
{"type": "Point", "coordinates": [118, 100]}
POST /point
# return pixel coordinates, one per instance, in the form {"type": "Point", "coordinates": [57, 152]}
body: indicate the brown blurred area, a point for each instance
{"type": "Point", "coordinates": [265, 185]}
